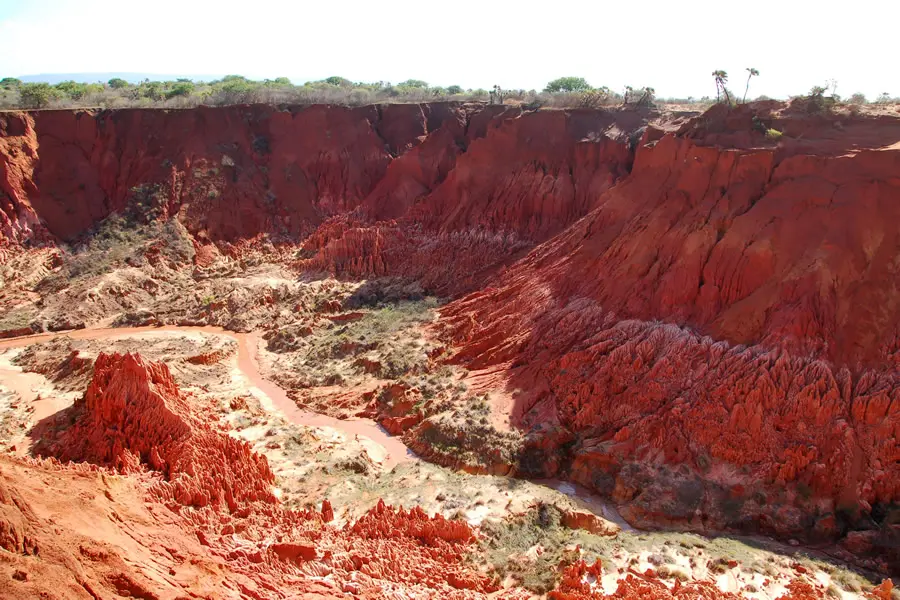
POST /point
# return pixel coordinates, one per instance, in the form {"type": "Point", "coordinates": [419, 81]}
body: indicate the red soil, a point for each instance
{"type": "Point", "coordinates": [134, 418]}
{"type": "Point", "coordinates": [706, 329]}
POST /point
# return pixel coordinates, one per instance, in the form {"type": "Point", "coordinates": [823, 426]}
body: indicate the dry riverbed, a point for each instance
{"type": "Point", "coordinates": [527, 528]}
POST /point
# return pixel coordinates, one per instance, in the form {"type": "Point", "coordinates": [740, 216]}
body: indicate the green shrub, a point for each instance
{"type": "Point", "coordinates": [594, 98]}
{"type": "Point", "coordinates": [236, 89]}
{"type": "Point", "coordinates": [182, 88]}
{"type": "Point", "coordinates": [817, 102]}
{"type": "Point", "coordinates": [568, 84]}
{"type": "Point", "coordinates": [152, 90]}
{"type": "Point", "coordinates": [639, 96]}
{"type": "Point", "coordinates": [338, 81]}
{"type": "Point", "coordinates": [17, 318]}
{"type": "Point", "coordinates": [76, 90]}
{"type": "Point", "coordinates": [505, 544]}
{"type": "Point", "coordinates": [117, 83]}
{"type": "Point", "coordinates": [849, 581]}
{"type": "Point", "coordinates": [673, 572]}
{"type": "Point", "coordinates": [37, 95]}
{"type": "Point", "coordinates": [454, 89]}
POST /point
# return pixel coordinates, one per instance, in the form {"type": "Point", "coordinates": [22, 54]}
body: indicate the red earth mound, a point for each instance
{"type": "Point", "coordinates": [133, 416]}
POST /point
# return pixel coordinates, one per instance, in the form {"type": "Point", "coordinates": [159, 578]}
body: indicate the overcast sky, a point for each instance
{"type": "Point", "coordinates": [671, 46]}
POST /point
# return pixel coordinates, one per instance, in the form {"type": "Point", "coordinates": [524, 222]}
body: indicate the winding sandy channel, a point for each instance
{"type": "Point", "coordinates": [248, 363]}
{"type": "Point", "coordinates": [394, 451]}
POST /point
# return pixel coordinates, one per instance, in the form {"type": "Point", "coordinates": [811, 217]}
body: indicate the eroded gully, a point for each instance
{"type": "Point", "coordinates": [395, 452]}
{"type": "Point", "coordinates": [248, 364]}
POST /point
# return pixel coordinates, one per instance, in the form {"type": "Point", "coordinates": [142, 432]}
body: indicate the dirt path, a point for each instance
{"type": "Point", "coordinates": [393, 448]}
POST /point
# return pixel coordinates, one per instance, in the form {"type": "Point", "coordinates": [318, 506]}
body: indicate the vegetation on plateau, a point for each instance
{"type": "Point", "coordinates": [563, 92]}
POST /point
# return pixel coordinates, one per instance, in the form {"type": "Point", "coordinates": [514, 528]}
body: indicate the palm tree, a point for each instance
{"type": "Point", "coordinates": [752, 73]}
{"type": "Point", "coordinates": [721, 80]}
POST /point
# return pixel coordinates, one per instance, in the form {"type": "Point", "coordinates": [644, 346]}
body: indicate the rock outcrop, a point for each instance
{"type": "Point", "coordinates": [133, 417]}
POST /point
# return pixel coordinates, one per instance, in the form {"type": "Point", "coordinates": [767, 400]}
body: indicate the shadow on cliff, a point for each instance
{"type": "Point", "coordinates": [47, 428]}
{"type": "Point", "coordinates": [712, 346]}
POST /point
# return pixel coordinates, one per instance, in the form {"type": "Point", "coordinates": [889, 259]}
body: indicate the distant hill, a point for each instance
{"type": "Point", "coordinates": [54, 78]}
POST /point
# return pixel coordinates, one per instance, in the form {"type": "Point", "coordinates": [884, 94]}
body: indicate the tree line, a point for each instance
{"type": "Point", "coordinates": [235, 89]}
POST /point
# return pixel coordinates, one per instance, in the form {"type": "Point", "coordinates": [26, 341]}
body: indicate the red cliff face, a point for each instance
{"type": "Point", "coordinates": [18, 154]}
{"type": "Point", "coordinates": [234, 172]}
{"type": "Point", "coordinates": [530, 174]}
{"type": "Point", "coordinates": [728, 310]}
{"type": "Point", "coordinates": [396, 188]}
{"type": "Point", "coordinates": [706, 329]}
{"type": "Point", "coordinates": [797, 254]}
{"type": "Point", "coordinates": [471, 198]}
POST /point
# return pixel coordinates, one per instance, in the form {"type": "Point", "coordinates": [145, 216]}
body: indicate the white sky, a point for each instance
{"type": "Point", "coordinates": [671, 46]}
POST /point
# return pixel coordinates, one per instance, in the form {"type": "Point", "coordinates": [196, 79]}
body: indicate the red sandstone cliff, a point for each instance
{"type": "Point", "coordinates": [731, 311]}
{"type": "Point", "coordinates": [235, 171]}
{"type": "Point", "coordinates": [398, 187]}
{"type": "Point", "coordinates": [705, 328]}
